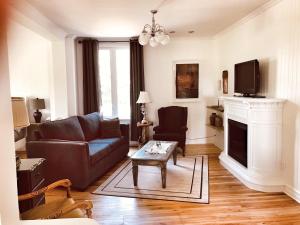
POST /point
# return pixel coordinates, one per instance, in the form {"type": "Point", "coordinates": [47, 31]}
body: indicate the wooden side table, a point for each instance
{"type": "Point", "coordinates": [30, 177]}
{"type": "Point", "coordinates": [145, 131]}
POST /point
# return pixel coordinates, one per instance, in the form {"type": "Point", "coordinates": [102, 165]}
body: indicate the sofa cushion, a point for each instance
{"type": "Point", "coordinates": [98, 151]}
{"type": "Point", "coordinates": [113, 142]}
{"type": "Point", "coordinates": [66, 129]}
{"type": "Point", "coordinates": [110, 128]}
{"type": "Point", "coordinates": [90, 125]}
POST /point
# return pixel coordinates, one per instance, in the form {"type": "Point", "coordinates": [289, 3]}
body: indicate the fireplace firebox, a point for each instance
{"type": "Point", "coordinates": [237, 141]}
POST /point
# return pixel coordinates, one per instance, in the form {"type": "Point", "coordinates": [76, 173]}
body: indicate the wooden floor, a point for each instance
{"type": "Point", "coordinates": [230, 203]}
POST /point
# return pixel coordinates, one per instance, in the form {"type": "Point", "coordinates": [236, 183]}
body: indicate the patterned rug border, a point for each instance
{"type": "Point", "coordinates": [205, 176]}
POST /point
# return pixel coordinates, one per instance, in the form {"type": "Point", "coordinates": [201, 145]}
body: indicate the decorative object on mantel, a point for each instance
{"type": "Point", "coordinates": [216, 118]}
{"type": "Point", "coordinates": [143, 100]}
{"type": "Point", "coordinates": [38, 103]}
{"type": "Point", "coordinates": [186, 80]}
{"type": "Point", "coordinates": [218, 121]}
{"type": "Point", "coordinates": [154, 34]}
{"type": "Point", "coordinates": [212, 119]}
{"type": "Point", "coordinates": [225, 81]}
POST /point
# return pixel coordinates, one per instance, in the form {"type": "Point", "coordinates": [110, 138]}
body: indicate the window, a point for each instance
{"type": "Point", "coordinates": [115, 80]}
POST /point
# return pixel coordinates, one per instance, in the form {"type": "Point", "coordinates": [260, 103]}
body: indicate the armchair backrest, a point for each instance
{"type": "Point", "coordinates": [172, 118]}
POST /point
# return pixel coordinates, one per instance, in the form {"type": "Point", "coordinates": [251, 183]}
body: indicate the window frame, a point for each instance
{"type": "Point", "coordinates": [112, 47]}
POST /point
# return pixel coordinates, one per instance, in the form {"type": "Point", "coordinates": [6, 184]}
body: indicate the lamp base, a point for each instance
{"type": "Point", "coordinates": [37, 116]}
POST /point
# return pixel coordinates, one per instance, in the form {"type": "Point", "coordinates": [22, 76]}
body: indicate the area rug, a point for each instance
{"type": "Point", "coordinates": [186, 182]}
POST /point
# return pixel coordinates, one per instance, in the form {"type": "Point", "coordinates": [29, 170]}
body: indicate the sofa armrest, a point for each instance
{"type": "Point", "coordinates": [125, 131]}
{"type": "Point", "coordinates": [64, 160]}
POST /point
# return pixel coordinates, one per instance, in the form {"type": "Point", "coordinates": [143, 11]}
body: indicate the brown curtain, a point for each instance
{"type": "Point", "coordinates": [137, 84]}
{"type": "Point", "coordinates": [90, 76]}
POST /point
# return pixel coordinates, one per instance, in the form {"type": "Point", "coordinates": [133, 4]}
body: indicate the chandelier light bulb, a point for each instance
{"type": "Point", "coordinates": [159, 36]}
{"type": "Point", "coordinates": [144, 38]}
{"type": "Point", "coordinates": [166, 39]}
{"type": "Point", "coordinates": [153, 42]}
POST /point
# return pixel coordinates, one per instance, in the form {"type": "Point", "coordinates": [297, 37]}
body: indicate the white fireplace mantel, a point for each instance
{"type": "Point", "coordinates": [264, 142]}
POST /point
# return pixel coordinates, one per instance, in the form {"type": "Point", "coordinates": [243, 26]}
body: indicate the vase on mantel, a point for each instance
{"type": "Point", "coordinates": [218, 121]}
{"type": "Point", "coordinates": [212, 119]}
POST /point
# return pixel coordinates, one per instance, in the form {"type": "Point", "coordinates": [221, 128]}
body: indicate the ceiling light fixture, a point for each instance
{"type": "Point", "coordinates": [154, 34]}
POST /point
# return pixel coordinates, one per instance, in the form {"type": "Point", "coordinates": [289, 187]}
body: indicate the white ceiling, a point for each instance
{"type": "Point", "coordinates": [125, 18]}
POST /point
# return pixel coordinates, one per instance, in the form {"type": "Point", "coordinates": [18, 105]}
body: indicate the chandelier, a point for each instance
{"type": "Point", "coordinates": [154, 34]}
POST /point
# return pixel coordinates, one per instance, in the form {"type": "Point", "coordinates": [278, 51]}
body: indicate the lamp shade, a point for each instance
{"type": "Point", "coordinates": [38, 103]}
{"type": "Point", "coordinates": [20, 114]}
{"type": "Point", "coordinates": [143, 98]}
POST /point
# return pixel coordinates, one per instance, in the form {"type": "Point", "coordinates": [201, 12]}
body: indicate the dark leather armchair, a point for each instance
{"type": "Point", "coordinates": [172, 125]}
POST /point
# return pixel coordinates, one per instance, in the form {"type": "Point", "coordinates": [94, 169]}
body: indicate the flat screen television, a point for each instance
{"type": "Point", "coordinates": [247, 78]}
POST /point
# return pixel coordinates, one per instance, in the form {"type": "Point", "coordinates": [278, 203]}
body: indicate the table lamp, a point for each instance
{"type": "Point", "coordinates": [38, 103]}
{"type": "Point", "coordinates": [20, 119]}
{"type": "Point", "coordinates": [20, 114]}
{"type": "Point", "coordinates": [143, 100]}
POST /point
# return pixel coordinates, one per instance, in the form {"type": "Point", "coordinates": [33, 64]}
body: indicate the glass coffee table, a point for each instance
{"type": "Point", "coordinates": [144, 158]}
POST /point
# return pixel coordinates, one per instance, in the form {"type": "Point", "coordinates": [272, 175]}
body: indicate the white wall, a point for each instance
{"type": "Point", "coordinates": [58, 82]}
{"type": "Point", "coordinates": [160, 81]}
{"type": "Point", "coordinates": [8, 192]}
{"type": "Point", "coordinates": [71, 75]}
{"type": "Point", "coordinates": [37, 59]}
{"type": "Point", "coordinates": [273, 37]}
{"type": "Point", "coordinates": [29, 63]}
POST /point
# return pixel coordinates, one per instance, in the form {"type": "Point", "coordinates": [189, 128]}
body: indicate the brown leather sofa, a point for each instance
{"type": "Point", "coordinates": [74, 149]}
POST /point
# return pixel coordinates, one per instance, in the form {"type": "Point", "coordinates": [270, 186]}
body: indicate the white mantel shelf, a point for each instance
{"type": "Point", "coordinates": [252, 100]}
{"type": "Point", "coordinates": [263, 117]}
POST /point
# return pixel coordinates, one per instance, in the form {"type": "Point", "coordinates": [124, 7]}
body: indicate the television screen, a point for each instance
{"type": "Point", "coordinates": [246, 77]}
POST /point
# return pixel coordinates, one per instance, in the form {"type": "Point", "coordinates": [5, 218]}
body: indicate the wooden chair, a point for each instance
{"type": "Point", "coordinates": [62, 208]}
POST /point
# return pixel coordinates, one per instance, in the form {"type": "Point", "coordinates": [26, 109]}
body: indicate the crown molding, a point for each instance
{"type": "Point", "coordinates": [31, 18]}
{"type": "Point", "coordinates": [260, 10]}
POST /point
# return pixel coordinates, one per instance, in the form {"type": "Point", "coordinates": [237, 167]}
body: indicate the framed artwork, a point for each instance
{"type": "Point", "coordinates": [225, 81]}
{"type": "Point", "coordinates": [186, 80]}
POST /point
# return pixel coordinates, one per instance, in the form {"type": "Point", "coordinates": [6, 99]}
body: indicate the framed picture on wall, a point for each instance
{"type": "Point", "coordinates": [225, 81]}
{"type": "Point", "coordinates": [186, 74]}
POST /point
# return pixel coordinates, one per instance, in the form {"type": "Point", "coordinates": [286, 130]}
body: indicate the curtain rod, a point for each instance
{"type": "Point", "coordinates": [106, 41]}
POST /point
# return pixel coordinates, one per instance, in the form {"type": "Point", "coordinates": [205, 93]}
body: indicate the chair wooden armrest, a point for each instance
{"type": "Point", "coordinates": [85, 205]}
{"type": "Point", "coordinates": [61, 183]}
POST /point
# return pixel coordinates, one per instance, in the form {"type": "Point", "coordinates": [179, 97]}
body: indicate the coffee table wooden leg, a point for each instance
{"type": "Point", "coordinates": [135, 173]}
{"type": "Point", "coordinates": [163, 175]}
{"type": "Point", "coordinates": [175, 156]}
